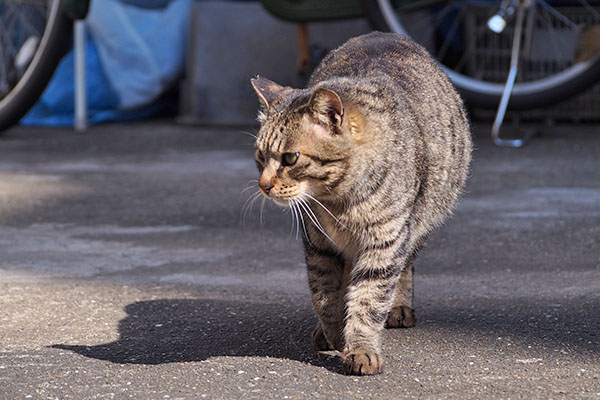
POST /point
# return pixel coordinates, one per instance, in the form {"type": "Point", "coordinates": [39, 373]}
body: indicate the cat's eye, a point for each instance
{"type": "Point", "coordinates": [289, 159]}
{"type": "Point", "coordinates": [260, 156]}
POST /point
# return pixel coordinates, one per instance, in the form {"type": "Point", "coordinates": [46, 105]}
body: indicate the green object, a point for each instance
{"type": "Point", "coordinates": [314, 10]}
{"type": "Point", "coordinates": [76, 9]}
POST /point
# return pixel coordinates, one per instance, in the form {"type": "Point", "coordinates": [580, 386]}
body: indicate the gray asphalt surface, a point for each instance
{"type": "Point", "coordinates": [129, 271]}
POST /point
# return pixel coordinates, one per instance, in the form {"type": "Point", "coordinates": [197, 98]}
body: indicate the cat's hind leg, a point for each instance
{"type": "Point", "coordinates": [402, 314]}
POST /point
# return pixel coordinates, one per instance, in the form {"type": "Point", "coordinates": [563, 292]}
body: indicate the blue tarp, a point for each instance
{"type": "Point", "coordinates": [133, 55]}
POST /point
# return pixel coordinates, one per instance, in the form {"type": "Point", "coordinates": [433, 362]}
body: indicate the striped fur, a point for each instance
{"type": "Point", "coordinates": [384, 149]}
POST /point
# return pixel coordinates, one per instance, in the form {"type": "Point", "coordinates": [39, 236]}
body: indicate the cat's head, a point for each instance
{"type": "Point", "coordinates": [305, 142]}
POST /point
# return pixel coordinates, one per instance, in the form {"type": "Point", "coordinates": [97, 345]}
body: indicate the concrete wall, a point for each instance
{"type": "Point", "coordinates": [230, 42]}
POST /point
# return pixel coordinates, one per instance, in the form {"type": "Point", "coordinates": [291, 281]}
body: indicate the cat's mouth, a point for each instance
{"type": "Point", "coordinates": [281, 201]}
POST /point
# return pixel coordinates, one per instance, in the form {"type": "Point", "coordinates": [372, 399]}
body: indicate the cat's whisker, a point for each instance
{"type": "Point", "coordinates": [298, 215]}
{"type": "Point", "coordinates": [252, 135]}
{"type": "Point", "coordinates": [295, 220]}
{"type": "Point", "coordinates": [250, 200]}
{"type": "Point", "coordinates": [298, 220]}
{"type": "Point", "coordinates": [301, 217]}
{"type": "Point", "coordinates": [262, 207]}
{"type": "Point", "coordinates": [311, 215]}
{"type": "Point", "coordinates": [248, 206]}
{"type": "Point", "coordinates": [293, 214]}
{"type": "Point", "coordinates": [326, 209]}
{"type": "Point", "coordinates": [252, 184]}
{"type": "Point", "coordinates": [244, 208]}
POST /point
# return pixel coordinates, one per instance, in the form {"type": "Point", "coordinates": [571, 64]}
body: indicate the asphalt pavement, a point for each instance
{"type": "Point", "coordinates": [129, 269]}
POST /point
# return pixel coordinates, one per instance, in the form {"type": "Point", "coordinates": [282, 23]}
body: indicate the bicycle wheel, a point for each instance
{"type": "Point", "coordinates": [557, 59]}
{"type": "Point", "coordinates": [34, 35]}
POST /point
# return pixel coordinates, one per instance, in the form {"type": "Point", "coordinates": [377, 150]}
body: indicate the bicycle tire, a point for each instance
{"type": "Point", "coordinates": [53, 45]}
{"type": "Point", "coordinates": [484, 94]}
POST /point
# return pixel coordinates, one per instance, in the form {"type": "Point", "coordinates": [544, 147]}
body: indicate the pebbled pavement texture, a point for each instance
{"type": "Point", "coordinates": [129, 269]}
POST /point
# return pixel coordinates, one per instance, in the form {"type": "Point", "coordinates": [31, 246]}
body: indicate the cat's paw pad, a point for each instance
{"type": "Point", "coordinates": [319, 340]}
{"type": "Point", "coordinates": [401, 317]}
{"type": "Point", "coordinates": [362, 362]}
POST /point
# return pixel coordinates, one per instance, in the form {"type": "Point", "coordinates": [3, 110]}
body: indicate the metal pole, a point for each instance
{"type": "Point", "coordinates": [510, 81]}
{"type": "Point", "coordinates": [80, 90]}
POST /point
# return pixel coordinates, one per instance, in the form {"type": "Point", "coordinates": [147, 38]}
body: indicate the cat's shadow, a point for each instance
{"type": "Point", "coordinates": [184, 330]}
{"type": "Point", "coordinates": [187, 330]}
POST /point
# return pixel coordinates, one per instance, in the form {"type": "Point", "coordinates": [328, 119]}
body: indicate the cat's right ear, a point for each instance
{"type": "Point", "coordinates": [326, 105]}
{"type": "Point", "coordinates": [266, 89]}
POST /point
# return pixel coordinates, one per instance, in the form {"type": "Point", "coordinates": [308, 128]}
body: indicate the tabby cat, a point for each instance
{"type": "Point", "coordinates": [370, 158]}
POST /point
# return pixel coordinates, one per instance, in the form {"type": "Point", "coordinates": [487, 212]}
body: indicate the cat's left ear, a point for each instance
{"type": "Point", "coordinates": [327, 106]}
{"type": "Point", "coordinates": [266, 89]}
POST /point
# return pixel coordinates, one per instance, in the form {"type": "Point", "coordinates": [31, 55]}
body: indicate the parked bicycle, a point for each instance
{"type": "Point", "coordinates": [473, 40]}
{"type": "Point", "coordinates": [509, 54]}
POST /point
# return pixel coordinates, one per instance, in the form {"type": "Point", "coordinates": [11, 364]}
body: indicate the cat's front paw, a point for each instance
{"type": "Point", "coordinates": [401, 317]}
{"type": "Point", "coordinates": [362, 362]}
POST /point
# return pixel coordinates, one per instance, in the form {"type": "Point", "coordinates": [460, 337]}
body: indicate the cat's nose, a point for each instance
{"type": "Point", "coordinates": [265, 185]}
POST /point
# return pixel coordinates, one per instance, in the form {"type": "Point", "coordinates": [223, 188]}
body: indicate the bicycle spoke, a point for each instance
{"type": "Point", "coordinates": [547, 7]}
{"type": "Point", "coordinates": [420, 25]}
{"type": "Point", "coordinates": [591, 10]}
{"type": "Point", "coordinates": [561, 43]}
{"type": "Point", "coordinates": [19, 21]}
{"type": "Point", "coordinates": [450, 35]}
